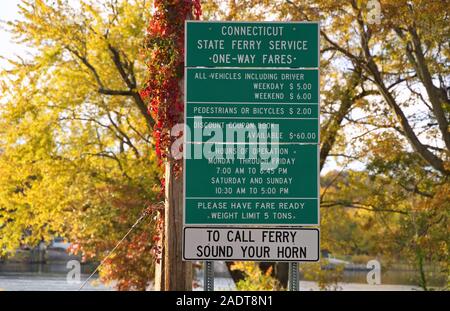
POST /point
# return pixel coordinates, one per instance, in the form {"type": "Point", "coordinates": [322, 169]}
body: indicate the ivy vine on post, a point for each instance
{"type": "Point", "coordinates": [163, 94]}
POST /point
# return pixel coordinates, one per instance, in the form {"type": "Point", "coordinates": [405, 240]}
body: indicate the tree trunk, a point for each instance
{"type": "Point", "coordinates": [177, 273]}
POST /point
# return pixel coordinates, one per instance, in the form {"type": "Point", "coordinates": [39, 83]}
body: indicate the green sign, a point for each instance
{"type": "Point", "coordinates": [252, 130]}
{"type": "Point", "coordinates": [223, 190]}
{"type": "Point", "coordinates": [241, 110]}
{"type": "Point", "coordinates": [254, 99]}
{"type": "Point", "coordinates": [292, 130]}
{"type": "Point", "coordinates": [293, 86]}
{"type": "Point", "coordinates": [255, 211]}
{"type": "Point", "coordinates": [247, 44]}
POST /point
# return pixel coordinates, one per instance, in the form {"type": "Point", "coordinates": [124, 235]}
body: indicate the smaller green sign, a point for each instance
{"type": "Point", "coordinates": [252, 85]}
{"type": "Point", "coordinates": [288, 130]}
{"type": "Point", "coordinates": [237, 170]}
{"type": "Point", "coordinates": [238, 184]}
{"type": "Point", "coordinates": [260, 211]}
{"type": "Point", "coordinates": [247, 44]}
{"type": "Point", "coordinates": [242, 110]}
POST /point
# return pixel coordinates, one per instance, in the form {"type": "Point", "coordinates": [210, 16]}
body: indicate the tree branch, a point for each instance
{"type": "Point", "coordinates": [358, 205]}
{"type": "Point", "coordinates": [372, 68]}
{"type": "Point", "coordinates": [131, 85]}
{"type": "Point", "coordinates": [115, 92]}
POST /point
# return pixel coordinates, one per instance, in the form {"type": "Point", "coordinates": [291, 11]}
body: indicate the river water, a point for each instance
{"type": "Point", "coordinates": [51, 277]}
{"type": "Point", "coordinates": [41, 277]}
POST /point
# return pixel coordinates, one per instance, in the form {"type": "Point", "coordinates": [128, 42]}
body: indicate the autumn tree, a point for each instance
{"type": "Point", "coordinates": [402, 62]}
{"type": "Point", "coordinates": [384, 109]}
{"type": "Point", "coordinates": [76, 155]}
{"type": "Point", "coordinates": [77, 140]}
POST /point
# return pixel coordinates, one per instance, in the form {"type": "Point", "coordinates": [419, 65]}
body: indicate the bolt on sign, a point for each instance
{"type": "Point", "coordinates": [251, 138]}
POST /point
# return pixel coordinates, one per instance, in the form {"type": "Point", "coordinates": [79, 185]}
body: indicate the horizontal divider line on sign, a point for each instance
{"type": "Point", "coordinates": [252, 68]}
{"type": "Point", "coordinates": [251, 104]}
{"type": "Point", "coordinates": [245, 198]}
{"type": "Point", "coordinates": [246, 143]}
{"type": "Point", "coordinates": [251, 118]}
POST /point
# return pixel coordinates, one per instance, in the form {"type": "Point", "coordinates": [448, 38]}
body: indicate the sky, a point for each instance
{"type": "Point", "coordinates": [8, 12]}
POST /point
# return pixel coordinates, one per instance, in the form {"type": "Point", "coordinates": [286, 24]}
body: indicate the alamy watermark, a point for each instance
{"type": "Point", "coordinates": [221, 141]}
{"type": "Point", "coordinates": [374, 274]}
{"type": "Point", "coordinates": [373, 12]}
{"type": "Point", "coordinates": [74, 274]}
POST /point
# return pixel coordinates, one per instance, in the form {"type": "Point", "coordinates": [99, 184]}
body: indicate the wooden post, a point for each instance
{"type": "Point", "coordinates": [173, 274]}
{"type": "Point", "coordinates": [159, 266]}
{"type": "Point", "coordinates": [177, 273]}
